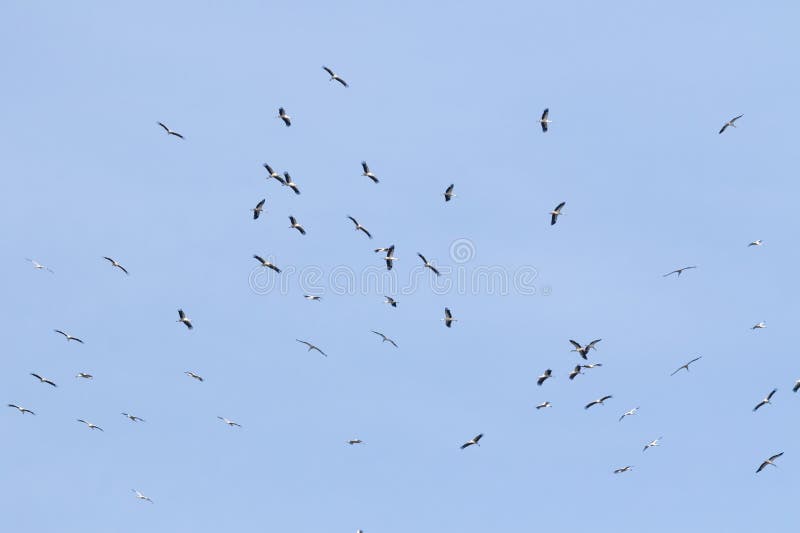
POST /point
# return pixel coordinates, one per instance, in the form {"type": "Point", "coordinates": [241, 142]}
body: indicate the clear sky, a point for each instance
{"type": "Point", "coordinates": [440, 93]}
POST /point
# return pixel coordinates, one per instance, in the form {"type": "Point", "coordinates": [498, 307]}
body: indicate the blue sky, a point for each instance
{"type": "Point", "coordinates": [439, 94]}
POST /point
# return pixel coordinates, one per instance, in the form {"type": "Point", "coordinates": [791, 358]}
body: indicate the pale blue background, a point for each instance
{"type": "Point", "coordinates": [440, 92]}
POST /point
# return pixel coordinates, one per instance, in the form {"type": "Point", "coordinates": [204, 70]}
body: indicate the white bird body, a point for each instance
{"type": "Point", "coordinates": [629, 413]}
{"type": "Point", "coordinates": [141, 496]}
{"type": "Point", "coordinates": [37, 265]}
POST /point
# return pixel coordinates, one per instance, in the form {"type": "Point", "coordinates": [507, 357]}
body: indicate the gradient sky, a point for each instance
{"type": "Point", "coordinates": [440, 93]}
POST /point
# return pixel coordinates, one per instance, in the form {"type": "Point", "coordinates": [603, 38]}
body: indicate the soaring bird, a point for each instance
{"type": "Point", "coordinates": [448, 317]}
{"type": "Point", "coordinates": [389, 257]}
{"type": "Point", "coordinates": [334, 76]}
{"type": "Point", "coordinates": [133, 418]}
{"type": "Point", "coordinates": [68, 336]}
{"type": "Point", "coordinates": [770, 461]}
{"type": "Point", "coordinates": [90, 425]}
{"type": "Point", "coordinates": [599, 401]}
{"type": "Point", "coordinates": [312, 298]}
{"type": "Point", "coordinates": [287, 180]}
{"type": "Point", "coordinates": [555, 213]}
{"type": "Point", "coordinates": [623, 469]}
{"type": "Point", "coordinates": [730, 123]}
{"type": "Point", "coordinates": [38, 266]}
{"type": "Point", "coordinates": [545, 121]}
{"type": "Point", "coordinates": [257, 210]}
{"type": "Point", "coordinates": [359, 226]}
{"type": "Point", "coordinates": [284, 117]}
{"type": "Point", "coordinates": [391, 301]}
{"type": "Point", "coordinates": [266, 264]}
{"type": "Point", "coordinates": [629, 413]}
{"type": "Point", "coordinates": [193, 375]}
{"type": "Point", "coordinates": [355, 441]}
{"type": "Point", "coordinates": [448, 193]}
{"type": "Point", "coordinates": [584, 350]}
{"type": "Point", "coordinates": [686, 365]}
{"type": "Point", "coordinates": [231, 423]}
{"type": "Point", "coordinates": [544, 377]}
{"type": "Point", "coordinates": [22, 410]}
{"type": "Point", "coordinates": [651, 444]}
{"type": "Point", "coordinates": [141, 496]}
{"type": "Point", "coordinates": [427, 264]}
{"type": "Point", "coordinates": [678, 271]}
{"type": "Point", "coordinates": [757, 242]}
{"type": "Point", "coordinates": [273, 174]}
{"type": "Point", "coordinates": [296, 225]}
{"type": "Point", "coordinates": [183, 318]}
{"type": "Point", "coordinates": [385, 338]}
{"type": "Point", "coordinates": [169, 131]}
{"type": "Point", "coordinates": [760, 325]}
{"type": "Point", "coordinates": [591, 365]}
{"type": "Point", "coordinates": [575, 371]}
{"type": "Point", "coordinates": [43, 380]}
{"type": "Point", "coordinates": [796, 386]}
{"type": "Point", "coordinates": [382, 250]}
{"type": "Point", "coordinates": [543, 405]}
{"type": "Point", "coordinates": [367, 172]}
{"type": "Point", "coordinates": [311, 347]}
{"type": "Point", "coordinates": [115, 264]}
{"type": "Point", "coordinates": [765, 400]}
{"type": "Point", "coordinates": [84, 375]}
{"type": "Point", "coordinates": [473, 440]}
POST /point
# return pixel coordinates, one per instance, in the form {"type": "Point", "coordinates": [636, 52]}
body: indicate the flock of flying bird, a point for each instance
{"type": "Point", "coordinates": [286, 180]}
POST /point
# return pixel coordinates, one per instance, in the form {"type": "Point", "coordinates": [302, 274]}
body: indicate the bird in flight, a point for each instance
{"type": "Point", "coordinates": [231, 423]}
{"type": "Point", "coordinates": [284, 117]}
{"type": "Point", "coordinates": [68, 336]}
{"type": "Point", "coordinates": [629, 413]}
{"type": "Point", "coordinates": [359, 226]}
{"type": "Point", "coordinates": [312, 298]}
{"type": "Point", "coordinates": [760, 325]}
{"type": "Point", "coordinates": [43, 380]}
{"type": "Point", "coordinates": [382, 250]}
{"type": "Point", "coordinates": [296, 225]}
{"type": "Point", "coordinates": [22, 410]}
{"type": "Point", "coordinates": [584, 350]}
{"type": "Point", "coordinates": [543, 405]}
{"type": "Point", "coordinates": [448, 193]}
{"type": "Point", "coordinates": [258, 209]}
{"type": "Point", "coordinates": [591, 365]}
{"type": "Point", "coordinates": [389, 257]}
{"type": "Point", "coordinates": [385, 338]}
{"type": "Point", "coordinates": [193, 375]}
{"type": "Point", "coordinates": [730, 123]}
{"type": "Point", "coordinates": [355, 441]}
{"type": "Point", "coordinates": [273, 174]}
{"type": "Point", "coordinates": [84, 375]}
{"type": "Point", "coordinates": [287, 180]}
{"type": "Point", "coordinates": [115, 264]}
{"type": "Point", "coordinates": [184, 319]}
{"type": "Point", "coordinates": [544, 377]}
{"type": "Point", "coordinates": [90, 425]}
{"type": "Point", "coordinates": [448, 317]}
{"type": "Point", "coordinates": [765, 400]}
{"type": "Point", "coordinates": [427, 264]}
{"type": "Point", "coordinates": [311, 347]}
{"type": "Point", "coordinates": [141, 496]}
{"type": "Point", "coordinates": [598, 401]}
{"type": "Point", "coordinates": [686, 365]}
{"type": "Point", "coordinates": [334, 76]}
{"type": "Point", "coordinates": [473, 440]}
{"type": "Point", "coordinates": [679, 271]}
{"type": "Point", "coordinates": [796, 386]}
{"type": "Point", "coordinates": [391, 301]}
{"type": "Point", "coordinates": [651, 444]}
{"type": "Point", "coordinates": [133, 418]}
{"type": "Point", "coordinates": [545, 120]}
{"type": "Point", "coordinates": [555, 213]}
{"type": "Point", "coordinates": [770, 461]}
{"type": "Point", "coordinates": [623, 469]}
{"type": "Point", "coordinates": [367, 172]}
{"type": "Point", "coordinates": [169, 131]}
{"type": "Point", "coordinates": [266, 264]}
{"type": "Point", "coordinates": [575, 371]}
{"type": "Point", "coordinates": [758, 242]}
{"type": "Point", "coordinates": [38, 266]}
